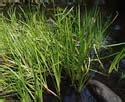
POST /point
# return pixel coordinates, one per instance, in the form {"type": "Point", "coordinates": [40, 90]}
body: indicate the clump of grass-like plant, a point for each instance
{"type": "Point", "coordinates": [79, 35]}
{"type": "Point", "coordinates": [32, 50]}
{"type": "Point", "coordinates": [29, 57]}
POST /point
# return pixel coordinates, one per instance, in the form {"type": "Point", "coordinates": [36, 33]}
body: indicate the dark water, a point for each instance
{"type": "Point", "coordinates": [85, 96]}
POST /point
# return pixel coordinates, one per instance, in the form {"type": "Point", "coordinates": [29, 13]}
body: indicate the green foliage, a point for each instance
{"type": "Point", "coordinates": [33, 48]}
{"type": "Point", "coordinates": [115, 63]}
{"type": "Point", "coordinates": [78, 36]}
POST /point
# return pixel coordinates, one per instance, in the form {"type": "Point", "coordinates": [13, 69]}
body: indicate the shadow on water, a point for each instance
{"type": "Point", "coordinates": [84, 96]}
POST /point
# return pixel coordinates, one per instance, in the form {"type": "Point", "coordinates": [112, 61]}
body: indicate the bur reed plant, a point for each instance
{"type": "Point", "coordinates": [30, 58]}
{"type": "Point", "coordinates": [80, 35]}
{"type": "Point", "coordinates": [115, 63]}
{"type": "Point", "coordinates": [32, 50]}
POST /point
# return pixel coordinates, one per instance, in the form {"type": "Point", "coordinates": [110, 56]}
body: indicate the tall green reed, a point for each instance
{"type": "Point", "coordinates": [28, 46]}
{"type": "Point", "coordinates": [34, 50]}
{"type": "Point", "coordinates": [79, 35]}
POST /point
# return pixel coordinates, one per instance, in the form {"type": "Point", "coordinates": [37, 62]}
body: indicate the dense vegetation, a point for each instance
{"type": "Point", "coordinates": [33, 48]}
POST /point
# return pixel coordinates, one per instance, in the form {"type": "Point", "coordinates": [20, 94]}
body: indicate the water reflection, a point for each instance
{"type": "Point", "coordinates": [85, 96]}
